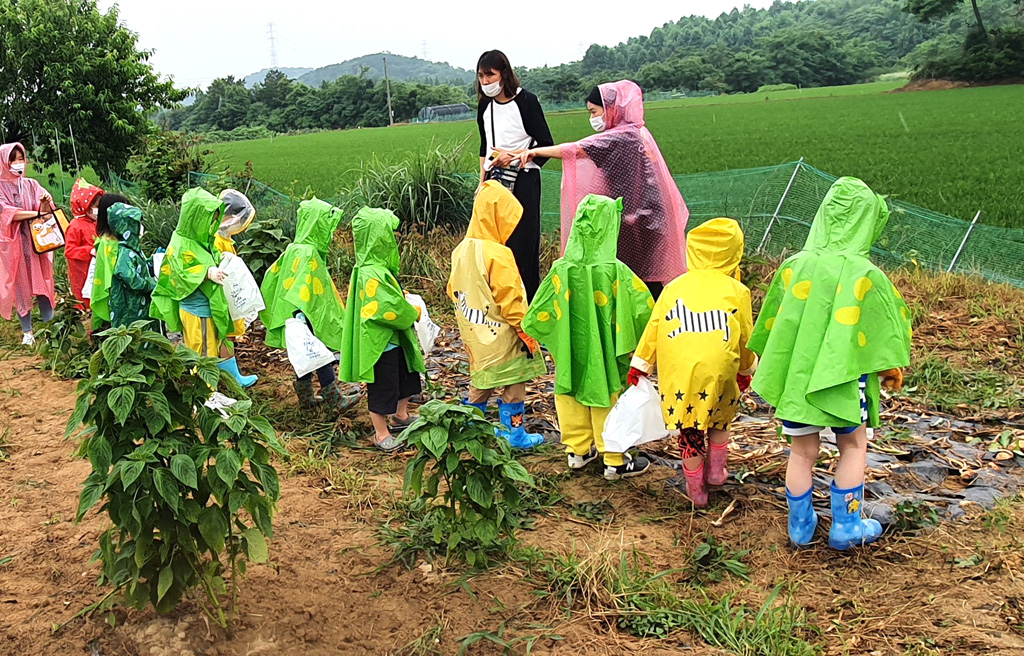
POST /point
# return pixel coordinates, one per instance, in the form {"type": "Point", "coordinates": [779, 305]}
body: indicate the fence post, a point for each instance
{"type": "Point", "coordinates": [775, 216]}
{"type": "Point", "coordinates": [960, 250]}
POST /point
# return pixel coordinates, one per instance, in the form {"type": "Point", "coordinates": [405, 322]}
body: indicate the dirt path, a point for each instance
{"type": "Point", "coordinates": [959, 589]}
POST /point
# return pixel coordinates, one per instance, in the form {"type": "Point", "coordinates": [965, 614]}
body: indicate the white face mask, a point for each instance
{"type": "Point", "coordinates": [597, 122]}
{"type": "Point", "coordinates": [18, 169]}
{"type": "Point", "coordinates": [491, 90]}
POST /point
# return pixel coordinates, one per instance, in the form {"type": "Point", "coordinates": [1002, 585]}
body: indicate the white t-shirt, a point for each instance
{"type": "Point", "coordinates": [507, 131]}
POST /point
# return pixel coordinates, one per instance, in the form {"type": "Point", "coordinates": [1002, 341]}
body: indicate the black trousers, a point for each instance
{"type": "Point", "coordinates": [525, 240]}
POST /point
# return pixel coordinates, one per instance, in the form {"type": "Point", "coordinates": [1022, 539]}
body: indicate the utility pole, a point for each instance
{"type": "Point", "coordinates": [273, 45]}
{"type": "Point", "coordinates": [387, 84]}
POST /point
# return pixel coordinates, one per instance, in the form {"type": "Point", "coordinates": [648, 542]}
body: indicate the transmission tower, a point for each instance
{"type": "Point", "coordinates": [273, 45]}
{"type": "Point", "coordinates": [424, 48]}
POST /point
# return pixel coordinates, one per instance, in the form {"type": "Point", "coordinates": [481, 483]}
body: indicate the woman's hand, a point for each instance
{"type": "Point", "coordinates": [525, 157]}
{"type": "Point", "coordinates": [503, 159]}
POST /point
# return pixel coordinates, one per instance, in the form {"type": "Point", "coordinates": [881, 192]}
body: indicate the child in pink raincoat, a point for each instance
{"type": "Point", "coordinates": [24, 274]}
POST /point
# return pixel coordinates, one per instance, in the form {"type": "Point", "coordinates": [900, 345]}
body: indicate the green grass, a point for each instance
{"type": "Point", "coordinates": [954, 151]}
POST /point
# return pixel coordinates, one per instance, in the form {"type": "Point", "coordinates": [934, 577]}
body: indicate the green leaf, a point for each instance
{"type": "Point", "coordinates": [184, 470]}
{"type": "Point", "coordinates": [436, 441]}
{"type": "Point", "coordinates": [76, 418]}
{"type": "Point", "coordinates": [480, 490]}
{"type": "Point", "coordinates": [164, 583]}
{"type": "Point", "coordinates": [476, 449]}
{"type": "Point", "coordinates": [99, 453]}
{"type": "Point", "coordinates": [485, 530]}
{"type": "Point", "coordinates": [452, 461]}
{"type": "Point", "coordinates": [121, 399]}
{"type": "Point", "coordinates": [213, 526]}
{"type": "Point", "coordinates": [167, 487]}
{"type": "Point", "coordinates": [210, 375]}
{"type": "Point", "coordinates": [517, 472]}
{"type": "Point", "coordinates": [87, 499]}
{"type": "Point", "coordinates": [228, 466]}
{"type": "Point", "coordinates": [267, 475]}
{"type": "Point", "coordinates": [414, 475]}
{"type": "Point", "coordinates": [113, 347]}
{"type": "Point", "coordinates": [255, 545]}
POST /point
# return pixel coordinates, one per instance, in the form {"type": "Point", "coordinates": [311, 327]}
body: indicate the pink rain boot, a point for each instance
{"type": "Point", "coordinates": [718, 455]}
{"type": "Point", "coordinates": [696, 487]}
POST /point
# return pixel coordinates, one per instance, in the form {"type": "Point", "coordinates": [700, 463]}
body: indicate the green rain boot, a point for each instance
{"type": "Point", "coordinates": [335, 400]}
{"type": "Point", "coordinates": [304, 390]}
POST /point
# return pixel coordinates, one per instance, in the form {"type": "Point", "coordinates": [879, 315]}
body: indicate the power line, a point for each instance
{"type": "Point", "coordinates": [273, 45]}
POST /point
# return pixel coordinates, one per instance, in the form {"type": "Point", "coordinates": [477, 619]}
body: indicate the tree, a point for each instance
{"type": "Point", "coordinates": [65, 66]}
{"type": "Point", "coordinates": [928, 10]}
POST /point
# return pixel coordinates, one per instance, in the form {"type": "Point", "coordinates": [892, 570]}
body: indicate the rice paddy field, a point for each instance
{"type": "Point", "coordinates": [955, 151]}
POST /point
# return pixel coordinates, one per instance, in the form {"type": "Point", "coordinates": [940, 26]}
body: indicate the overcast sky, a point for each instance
{"type": "Point", "coordinates": [199, 40]}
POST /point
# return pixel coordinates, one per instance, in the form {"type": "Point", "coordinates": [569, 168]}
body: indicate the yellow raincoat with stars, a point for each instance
{"type": "Point", "coordinates": [489, 297]}
{"type": "Point", "coordinates": [831, 316]}
{"type": "Point", "coordinates": [698, 332]}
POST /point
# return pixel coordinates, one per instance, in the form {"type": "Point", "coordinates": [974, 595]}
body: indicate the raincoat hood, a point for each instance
{"type": "Point", "coordinates": [199, 214]}
{"type": "Point", "coordinates": [316, 224]}
{"type": "Point", "coordinates": [496, 213]}
{"type": "Point", "coordinates": [595, 231]}
{"type": "Point", "coordinates": [716, 245]}
{"type": "Point", "coordinates": [238, 213]}
{"type": "Point", "coordinates": [373, 231]}
{"type": "Point", "coordinates": [6, 174]}
{"type": "Point", "coordinates": [623, 104]}
{"type": "Point", "coordinates": [82, 196]}
{"type": "Point", "coordinates": [849, 220]}
{"type": "Point", "coordinates": [126, 221]}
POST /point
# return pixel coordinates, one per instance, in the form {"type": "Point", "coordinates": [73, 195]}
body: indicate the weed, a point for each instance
{"type": "Point", "coordinates": [946, 388]}
{"type": "Point", "coordinates": [1000, 516]}
{"type": "Point", "coordinates": [508, 645]}
{"type": "Point", "coordinates": [64, 343]}
{"type": "Point", "coordinates": [5, 444]}
{"type": "Point", "coordinates": [711, 561]}
{"type": "Point", "coordinates": [599, 512]}
{"type": "Point", "coordinates": [428, 644]}
{"type": "Point", "coordinates": [912, 516]}
{"type": "Point", "coordinates": [970, 561]}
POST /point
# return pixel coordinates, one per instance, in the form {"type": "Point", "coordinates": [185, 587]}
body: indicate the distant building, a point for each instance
{"type": "Point", "coordinates": [445, 112]}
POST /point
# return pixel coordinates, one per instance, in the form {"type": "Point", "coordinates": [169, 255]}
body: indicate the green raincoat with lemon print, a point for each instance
{"type": "Point", "coordinates": [299, 280]}
{"type": "Point", "coordinates": [377, 313]}
{"type": "Point", "coordinates": [831, 316]}
{"type": "Point", "coordinates": [591, 309]}
{"type": "Point", "coordinates": [103, 277]}
{"type": "Point", "coordinates": [190, 254]}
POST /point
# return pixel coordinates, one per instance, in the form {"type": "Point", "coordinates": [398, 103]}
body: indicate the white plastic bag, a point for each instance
{"type": "Point", "coordinates": [635, 419]}
{"type": "Point", "coordinates": [90, 277]}
{"type": "Point", "coordinates": [305, 351]}
{"type": "Point", "coordinates": [426, 329]}
{"type": "Point", "coordinates": [240, 288]}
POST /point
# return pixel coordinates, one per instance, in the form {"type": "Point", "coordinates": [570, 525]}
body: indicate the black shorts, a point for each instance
{"type": "Point", "coordinates": [392, 382]}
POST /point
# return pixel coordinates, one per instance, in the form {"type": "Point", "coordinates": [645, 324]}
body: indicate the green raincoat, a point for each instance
{"type": "Point", "coordinates": [591, 309]}
{"type": "Point", "coordinates": [831, 316]}
{"type": "Point", "coordinates": [299, 280]}
{"type": "Point", "coordinates": [190, 254]}
{"type": "Point", "coordinates": [103, 277]}
{"type": "Point", "coordinates": [377, 313]}
{"type": "Point", "coordinates": [133, 283]}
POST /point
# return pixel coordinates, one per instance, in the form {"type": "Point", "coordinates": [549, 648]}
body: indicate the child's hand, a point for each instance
{"type": "Point", "coordinates": [892, 379]}
{"type": "Point", "coordinates": [634, 376]}
{"type": "Point", "coordinates": [530, 344]}
{"type": "Point", "coordinates": [216, 275]}
{"type": "Point", "coordinates": [743, 382]}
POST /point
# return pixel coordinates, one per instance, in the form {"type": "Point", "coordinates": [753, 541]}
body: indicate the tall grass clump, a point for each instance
{"type": "Point", "coordinates": [426, 189]}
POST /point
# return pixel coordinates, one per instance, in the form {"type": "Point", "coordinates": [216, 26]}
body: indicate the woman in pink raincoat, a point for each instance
{"type": "Point", "coordinates": [24, 274]}
{"type": "Point", "coordinates": [623, 161]}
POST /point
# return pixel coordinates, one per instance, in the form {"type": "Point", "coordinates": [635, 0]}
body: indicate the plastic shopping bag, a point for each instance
{"type": "Point", "coordinates": [426, 329]}
{"type": "Point", "coordinates": [305, 351]}
{"type": "Point", "coordinates": [90, 277]}
{"type": "Point", "coordinates": [635, 419]}
{"type": "Point", "coordinates": [243, 294]}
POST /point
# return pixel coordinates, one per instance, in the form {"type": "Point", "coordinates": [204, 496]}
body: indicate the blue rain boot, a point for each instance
{"type": "Point", "coordinates": [849, 528]}
{"type": "Point", "coordinates": [802, 518]}
{"type": "Point", "coordinates": [512, 417]}
{"type": "Point", "coordinates": [231, 366]}
{"type": "Point", "coordinates": [482, 407]}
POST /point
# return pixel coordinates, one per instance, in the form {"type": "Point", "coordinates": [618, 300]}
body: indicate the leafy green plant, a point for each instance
{"type": "Point", "coordinates": [600, 512]}
{"type": "Point", "coordinates": [911, 516]}
{"type": "Point", "coordinates": [711, 561]}
{"type": "Point", "coordinates": [64, 343]}
{"type": "Point", "coordinates": [480, 508]}
{"type": "Point", "coordinates": [190, 490]}
{"type": "Point", "coordinates": [264, 241]}
{"type": "Point", "coordinates": [507, 645]}
{"type": "Point", "coordinates": [161, 168]}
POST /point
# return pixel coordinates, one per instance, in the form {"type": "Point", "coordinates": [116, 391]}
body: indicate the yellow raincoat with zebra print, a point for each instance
{"type": "Point", "coordinates": [698, 332]}
{"type": "Point", "coordinates": [489, 297]}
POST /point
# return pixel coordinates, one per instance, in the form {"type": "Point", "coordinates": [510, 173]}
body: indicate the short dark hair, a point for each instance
{"type": "Point", "coordinates": [495, 60]}
{"type": "Point", "coordinates": [106, 200]}
{"type": "Point", "coordinates": [14, 151]}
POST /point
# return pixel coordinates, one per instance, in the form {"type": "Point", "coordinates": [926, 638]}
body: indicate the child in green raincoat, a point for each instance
{"type": "Point", "coordinates": [490, 303]}
{"type": "Point", "coordinates": [380, 345]}
{"type": "Point", "coordinates": [299, 285]}
{"type": "Point", "coordinates": [189, 297]}
{"type": "Point", "coordinates": [832, 329]}
{"type": "Point", "coordinates": [132, 281]}
{"type": "Point", "coordinates": [106, 259]}
{"type": "Point", "coordinates": [590, 312]}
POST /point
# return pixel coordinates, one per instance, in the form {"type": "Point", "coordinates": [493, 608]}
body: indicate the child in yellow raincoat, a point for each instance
{"type": "Point", "coordinates": [698, 336]}
{"type": "Point", "coordinates": [490, 303]}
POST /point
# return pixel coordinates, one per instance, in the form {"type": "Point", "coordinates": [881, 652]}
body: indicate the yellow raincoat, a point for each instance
{"type": "Point", "coordinates": [698, 332]}
{"type": "Point", "coordinates": [489, 297]}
